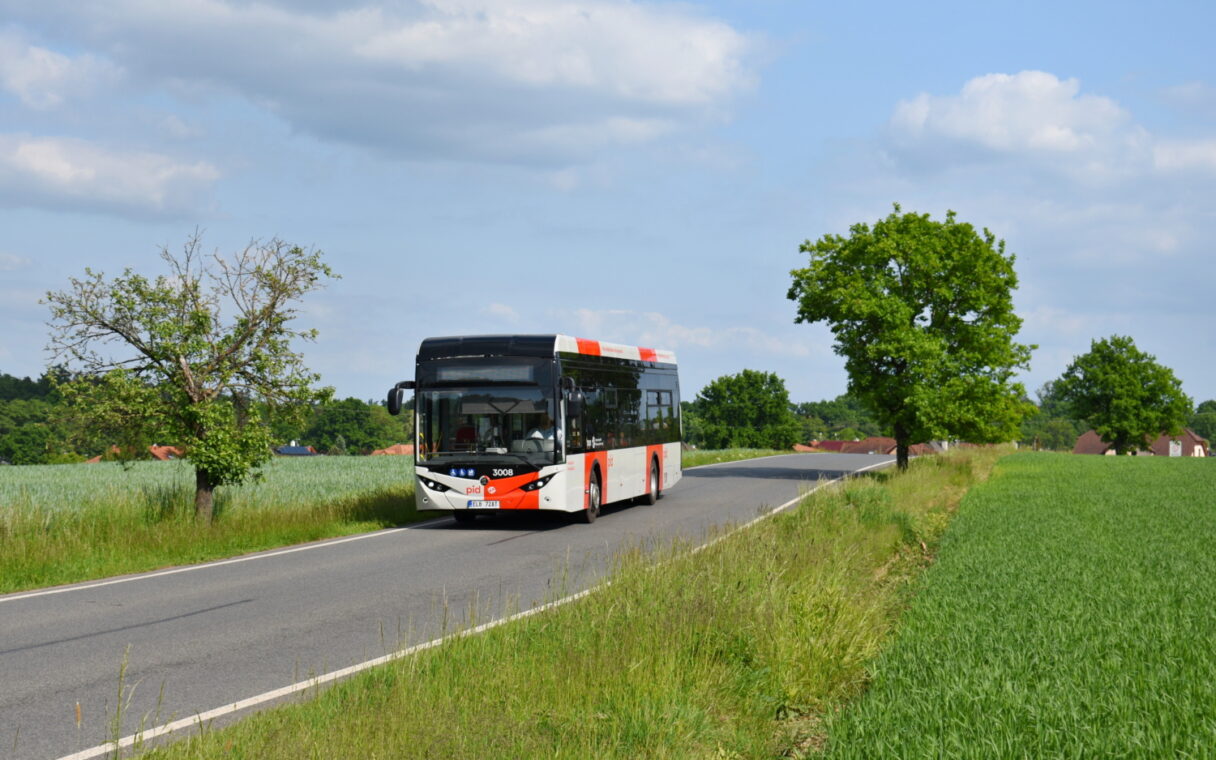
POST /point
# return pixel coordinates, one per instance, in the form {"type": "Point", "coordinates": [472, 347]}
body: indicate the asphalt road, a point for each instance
{"type": "Point", "coordinates": [197, 638]}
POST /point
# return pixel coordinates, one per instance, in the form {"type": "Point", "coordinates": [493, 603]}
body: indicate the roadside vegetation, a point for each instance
{"type": "Point", "coordinates": [68, 523]}
{"type": "Point", "coordinates": [733, 651]}
{"type": "Point", "coordinates": [1070, 615]}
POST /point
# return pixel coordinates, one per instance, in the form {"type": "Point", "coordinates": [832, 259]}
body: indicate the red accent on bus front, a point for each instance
{"type": "Point", "coordinates": [649, 354]}
{"type": "Point", "coordinates": [507, 493]}
{"type": "Point", "coordinates": [591, 347]}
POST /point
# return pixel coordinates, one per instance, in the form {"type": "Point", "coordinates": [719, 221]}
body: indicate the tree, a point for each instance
{"type": "Point", "coordinates": [182, 373]}
{"type": "Point", "coordinates": [361, 426]}
{"type": "Point", "coordinates": [1124, 394]}
{"type": "Point", "coordinates": [1051, 426]}
{"type": "Point", "coordinates": [1203, 421]}
{"type": "Point", "coordinates": [922, 311]}
{"type": "Point", "coordinates": [747, 410]}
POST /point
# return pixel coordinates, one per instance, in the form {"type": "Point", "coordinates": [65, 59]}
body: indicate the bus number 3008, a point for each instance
{"type": "Point", "coordinates": [503, 473]}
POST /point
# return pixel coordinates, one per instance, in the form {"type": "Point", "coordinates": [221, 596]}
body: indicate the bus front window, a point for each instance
{"type": "Point", "coordinates": [514, 422]}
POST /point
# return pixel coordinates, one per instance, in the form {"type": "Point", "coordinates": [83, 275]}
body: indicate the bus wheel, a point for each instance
{"type": "Point", "coordinates": [652, 493]}
{"type": "Point", "coordinates": [464, 518]}
{"type": "Point", "coordinates": [592, 511]}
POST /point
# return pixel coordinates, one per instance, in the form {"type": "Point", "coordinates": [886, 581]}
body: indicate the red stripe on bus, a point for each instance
{"type": "Point", "coordinates": [591, 347]}
{"type": "Point", "coordinates": [649, 354]}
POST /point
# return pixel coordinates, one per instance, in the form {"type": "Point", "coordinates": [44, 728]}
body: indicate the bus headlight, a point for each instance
{"type": "Point", "coordinates": [536, 484]}
{"type": "Point", "coordinates": [436, 487]}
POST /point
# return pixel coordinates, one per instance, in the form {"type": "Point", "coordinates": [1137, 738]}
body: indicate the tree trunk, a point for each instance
{"type": "Point", "coordinates": [204, 496]}
{"type": "Point", "coordinates": [901, 448]}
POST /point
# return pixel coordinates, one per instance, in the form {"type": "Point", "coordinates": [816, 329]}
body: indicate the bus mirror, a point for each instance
{"type": "Point", "coordinates": [567, 384]}
{"type": "Point", "coordinates": [396, 396]}
{"type": "Point", "coordinates": [574, 403]}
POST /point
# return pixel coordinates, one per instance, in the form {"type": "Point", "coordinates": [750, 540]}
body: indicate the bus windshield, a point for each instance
{"type": "Point", "coordinates": [514, 423]}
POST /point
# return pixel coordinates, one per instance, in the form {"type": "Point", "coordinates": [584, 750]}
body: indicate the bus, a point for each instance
{"type": "Point", "coordinates": [541, 422]}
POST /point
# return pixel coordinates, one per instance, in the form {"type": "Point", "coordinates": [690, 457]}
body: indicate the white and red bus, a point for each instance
{"type": "Point", "coordinates": [527, 422]}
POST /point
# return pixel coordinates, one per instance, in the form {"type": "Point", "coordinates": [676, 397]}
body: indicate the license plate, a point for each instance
{"type": "Point", "coordinates": [482, 504]}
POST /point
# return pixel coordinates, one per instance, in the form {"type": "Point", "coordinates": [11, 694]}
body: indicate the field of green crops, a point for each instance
{"type": "Point", "coordinates": [67, 523]}
{"type": "Point", "coordinates": [1071, 613]}
{"type": "Point", "coordinates": [286, 482]}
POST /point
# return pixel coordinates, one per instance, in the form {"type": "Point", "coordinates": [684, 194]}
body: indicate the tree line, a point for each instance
{"type": "Point", "coordinates": [752, 409]}
{"type": "Point", "coordinates": [37, 427]}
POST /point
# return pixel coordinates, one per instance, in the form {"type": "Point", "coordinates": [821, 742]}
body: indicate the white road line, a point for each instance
{"type": "Point", "coordinates": [295, 688]}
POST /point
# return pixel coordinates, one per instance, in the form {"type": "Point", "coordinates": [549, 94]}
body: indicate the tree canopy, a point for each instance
{"type": "Point", "coordinates": [200, 357]}
{"type": "Point", "coordinates": [747, 410]}
{"type": "Point", "coordinates": [1124, 394]}
{"type": "Point", "coordinates": [922, 312]}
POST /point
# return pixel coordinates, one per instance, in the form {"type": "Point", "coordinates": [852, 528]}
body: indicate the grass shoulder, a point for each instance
{"type": "Point", "coordinates": [733, 651]}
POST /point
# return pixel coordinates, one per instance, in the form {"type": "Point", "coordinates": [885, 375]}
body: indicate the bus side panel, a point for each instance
{"type": "Point", "coordinates": [672, 464]}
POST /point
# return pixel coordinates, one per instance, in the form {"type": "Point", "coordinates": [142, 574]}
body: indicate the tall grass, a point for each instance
{"type": "Point", "coordinates": [66, 523]}
{"type": "Point", "coordinates": [1071, 614]}
{"type": "Point", "coordinates": [733, 651]}
{"type": "Point", "coordinates": [699, 457]}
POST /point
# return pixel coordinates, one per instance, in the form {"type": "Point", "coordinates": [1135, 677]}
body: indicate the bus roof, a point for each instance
{"type": "Point", "coordinates": [535, 345]}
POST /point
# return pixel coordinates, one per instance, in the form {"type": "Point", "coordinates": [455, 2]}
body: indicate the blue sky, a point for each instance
{"type": "Point", "coordinates": [639, 172]}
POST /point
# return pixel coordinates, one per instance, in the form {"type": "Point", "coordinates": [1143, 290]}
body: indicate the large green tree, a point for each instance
{"type": "Point", "coordinates": [1203, 421]}
{"type": "Point", "coordinates": [922, 311]}
{"type": "Point", "coordinates": [1124, 394]}
{"type": "Point", "coordinates": [747, 410]}
{"type": "Point", "coordinates": [197, 357]}
{"type": "Point", "coordinates": [358, 425]}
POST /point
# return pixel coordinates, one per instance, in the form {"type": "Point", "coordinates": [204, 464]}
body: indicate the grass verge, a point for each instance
{"type": "Point", "coordinates": [733, 651]}
{"type": "Point", "coordinates": [1070, 615]}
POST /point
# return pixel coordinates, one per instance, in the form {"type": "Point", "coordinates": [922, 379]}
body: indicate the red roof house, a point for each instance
{"type": "Point", "coordinates": [397, 449]}
{"type": "Point", "coordinates": [1185, 444]}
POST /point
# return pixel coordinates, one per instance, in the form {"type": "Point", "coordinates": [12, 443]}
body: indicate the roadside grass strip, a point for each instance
{"type": "Point", "coordinates": [1071, 613]}
{"type": "Point", "coordinates": [68, 523]}
{"type": "Point", "coordinates": [732, 651]}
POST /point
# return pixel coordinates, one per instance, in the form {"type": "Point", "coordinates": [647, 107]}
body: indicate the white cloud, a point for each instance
{"type": "Point", "coordinates": [1031, 110]}
{"type": "Point", "coordinates": [43, 78]}
{"type": "Point", "coordinates": [501, 312]}
{"type": "Point", "coordinates": [1029, 115]}
{"type": "Point", "coordinates": [656, 330]}
{"type": "Point", "coordinates": [57, 172]}
{"type": "Point", "coordinates": [1172, 155]}
{"type": "Point", "coordinates": [12, 263]}
{"type": "Point", "coordinates": [547, 81]}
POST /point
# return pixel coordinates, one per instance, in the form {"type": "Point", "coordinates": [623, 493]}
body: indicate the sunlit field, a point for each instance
{"type": "Point", "coordinates": [1070, 614]}
{"type": "Point", "coordinates": [66, 523]}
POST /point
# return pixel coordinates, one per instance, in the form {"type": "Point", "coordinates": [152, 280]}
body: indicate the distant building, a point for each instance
{"type": "Point", "coordinates": [165, 453]}
{"type": "Point", "coordinates": [398, 449]}
{"type": "Point", "coordinates": [296, 451]}
{"type": "Point", "coordinates": [1185, 444]}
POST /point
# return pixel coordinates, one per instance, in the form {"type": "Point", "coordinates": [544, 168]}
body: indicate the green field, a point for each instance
{"type": "Point", "coordinates": [1071, 613]}
{"type": "Point", "coordinates": [731, 652]}
{"type": "Point", "coordinates": [67, 523]}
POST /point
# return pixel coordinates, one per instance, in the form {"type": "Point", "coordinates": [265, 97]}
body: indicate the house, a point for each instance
{"type": "Point", "coordinates": [165, 453]}
{"type": "Point", "coordinates": [1185, 444]}
{"type": "Point", "coordinates": [296, 451]}
{"type": "Point", "coordinates": [802, 449]}
{"type": "Point", "coordinates": [397, 449]}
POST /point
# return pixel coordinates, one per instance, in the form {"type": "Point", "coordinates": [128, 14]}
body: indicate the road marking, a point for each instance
{"type": "Point", "coordinates": [317, 681]}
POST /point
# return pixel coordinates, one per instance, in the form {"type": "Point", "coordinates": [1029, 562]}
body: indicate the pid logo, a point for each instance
{"type": "Point", "coordinates": [472, 491]}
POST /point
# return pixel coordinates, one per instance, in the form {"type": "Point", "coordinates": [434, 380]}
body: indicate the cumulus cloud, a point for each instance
{"type": "Point", "coordinates": [533, 81]}
{"type": "Point", "coordinates": [62, 172]}
{"type": "Point", "coordinates": [42, 78]}
{"type": "Point", "coordinates": [1031, 115]}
